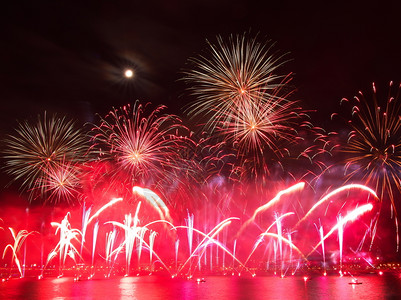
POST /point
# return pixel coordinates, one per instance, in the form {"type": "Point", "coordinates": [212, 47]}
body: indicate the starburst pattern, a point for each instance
{"type": "Point", "coordinates": [144, 145]}
{"type": "Point", "coordinates": [373, 148]}
{"type": "Point", "coordinates": [37, 149]}
{"type": "Point", "coordinates": [61, 183]}
{"type": "Point", "coordinates": [232, 73]}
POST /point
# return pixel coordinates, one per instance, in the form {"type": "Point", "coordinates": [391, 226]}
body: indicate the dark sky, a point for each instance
{"type": "Point", "coordinates": [68, 56]}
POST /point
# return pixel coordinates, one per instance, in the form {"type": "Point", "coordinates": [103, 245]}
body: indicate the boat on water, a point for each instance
{"type": "Point", "coordinates": [354, 281]}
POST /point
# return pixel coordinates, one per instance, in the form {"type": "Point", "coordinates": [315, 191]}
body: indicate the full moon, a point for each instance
{"type": "Point", "coordinates": [128, 73]}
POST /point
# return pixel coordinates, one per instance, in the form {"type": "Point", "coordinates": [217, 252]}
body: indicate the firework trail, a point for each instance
{"type": "Point", "coordinates": [350, 217]}
{"type": "Point", "coordinates": [19, 239]}
{"type": "Point", "coordinates": [209, 239]}
{"type": "Point", "coordinates": [39, 152]}
{"type": "Point", "coordinates": [190, 230]}
{"type": "Point", "coordinates": [280, 238]}
{"type": "Point", "coordinates": [332, 194]}
{"type": "Point", "coordinates": [95, 233]}
{"type": "Point", "coordinates": [156, 202]}
{"type": "Point", "coordinates": [85, 218]}
{"type": "Point", "coordinates": [65, 246]}
{"type": "Point", "coordinates": [131, 230]}
{"type": "Point", "coordinates": [110, 240]}
{"type": "Point", "coordinates": [152, 237]}
{"type": "Point", "coordinates": [133, 233]}
{"type": "Point", "coordinates": [340, 230]}
{"type": "Point", "coordinates": [321, 235]}
{"type": "Point", "coordinates": [275, 200]}
{"type": "Point", "coordinates": [260, 239]}
{"type": "Point", "coordinates": [104, 207]}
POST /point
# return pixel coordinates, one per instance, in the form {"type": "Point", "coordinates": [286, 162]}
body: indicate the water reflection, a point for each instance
{"type": "Point", "coordinates": [127, 287]}
{"type": "Point", "coordinates": [373, 286]}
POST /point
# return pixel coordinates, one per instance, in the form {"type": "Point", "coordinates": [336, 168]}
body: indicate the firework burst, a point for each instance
{"type": "Point", "coordinates": [255, 125]}
{"type": "Point", "coordinates": [246, 106]}
{"type": "Point", "coordinates": [61, 183]}
{"type": "Point", "coordinates": [37, 150]}
{"type": "Point", "coordinates": [232, 73]}
{"type": "Point", "coordinates": [373, 148]}
{"type": "Point", "coordinates": [145, 147]}
{"type": "Point", "coordinates": [262, 132]}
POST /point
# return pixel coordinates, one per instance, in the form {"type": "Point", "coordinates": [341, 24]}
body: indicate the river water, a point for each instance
{"type": "Point", "coordinates": [373, 286]}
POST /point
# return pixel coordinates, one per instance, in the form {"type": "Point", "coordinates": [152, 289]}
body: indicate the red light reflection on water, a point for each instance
{"type": "Point", "coordinates": [372, 286]}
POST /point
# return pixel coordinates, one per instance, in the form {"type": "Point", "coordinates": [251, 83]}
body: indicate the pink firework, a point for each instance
{"type": "Point", "coordinates": [145, 146]}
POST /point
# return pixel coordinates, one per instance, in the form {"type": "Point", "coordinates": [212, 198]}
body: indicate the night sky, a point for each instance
{"type": "Point", "coordinates": [67, 57]}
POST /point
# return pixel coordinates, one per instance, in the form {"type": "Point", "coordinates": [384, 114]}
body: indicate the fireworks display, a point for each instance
{"type": "Point", "coordinates": [245, 103]}
{"type": "Point", "coordinates": [373, 148]}
{"type": "Point", "coordinates": [212, 244]}
{"type": "Point", "coordinates": [256, 145]}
